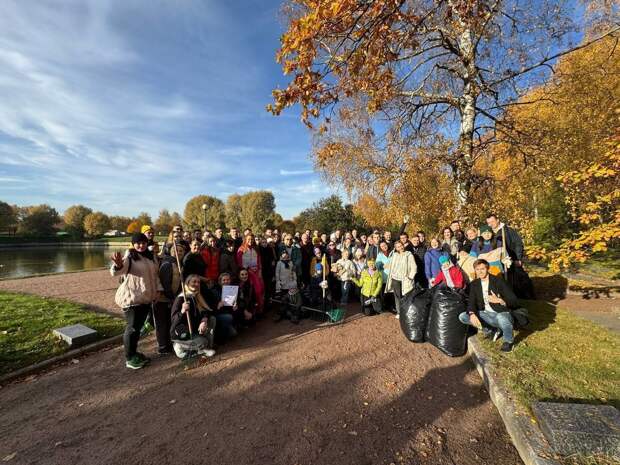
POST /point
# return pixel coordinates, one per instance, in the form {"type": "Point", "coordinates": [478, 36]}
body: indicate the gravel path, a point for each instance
{"type": "Point", "coordinates": [355, 393]}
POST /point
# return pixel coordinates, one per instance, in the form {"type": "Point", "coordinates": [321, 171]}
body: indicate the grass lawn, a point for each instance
{"type": "Point", "coordinates": [562, 358]}
{"type": "Point", "coordinates": [126, 239]}
{"type": "Point", "coordinates": [26, 324]}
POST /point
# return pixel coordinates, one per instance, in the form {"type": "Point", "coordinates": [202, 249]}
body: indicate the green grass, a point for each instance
{"type": "Point", "coordinates": [26, 324]}
{"type": "Point", "coordinates": [126, 239]}
{"type": "Point", "coordinates": [605, 265]}
{"type": "Point", "coordinates": [560, 358]}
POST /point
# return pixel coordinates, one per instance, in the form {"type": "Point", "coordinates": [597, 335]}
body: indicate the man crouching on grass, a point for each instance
{"type": "Point", "coordinates": [490, 300]}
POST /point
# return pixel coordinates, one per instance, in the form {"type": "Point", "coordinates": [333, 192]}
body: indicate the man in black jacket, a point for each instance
{"type": "Point", "coordinates": [490, 304]}
{"type": "Point", "coordinates": [418, 250]}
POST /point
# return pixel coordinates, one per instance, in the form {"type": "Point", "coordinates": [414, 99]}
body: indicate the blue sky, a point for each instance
{"type": "Point", "coordinates": [129, 106]}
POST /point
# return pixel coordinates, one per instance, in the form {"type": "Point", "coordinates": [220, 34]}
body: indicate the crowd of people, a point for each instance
{"type": "Point", "coordinates": [184, 288]}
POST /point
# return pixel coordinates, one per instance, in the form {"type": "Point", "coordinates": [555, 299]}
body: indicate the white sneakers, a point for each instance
{"type": "Point", "coordinates": [206, 352]}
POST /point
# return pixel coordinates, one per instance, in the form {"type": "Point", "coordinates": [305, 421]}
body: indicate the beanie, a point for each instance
{"type": "Point", "coordinates": [138, 237]}
{"type": "Point", "coordinates": [443, 259]}
{"type": "Point", "coordinates": [145, 228]}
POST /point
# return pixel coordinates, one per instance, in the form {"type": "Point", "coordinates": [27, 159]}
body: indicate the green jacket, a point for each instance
{"type": "Point", "coordinates": [371, 285]}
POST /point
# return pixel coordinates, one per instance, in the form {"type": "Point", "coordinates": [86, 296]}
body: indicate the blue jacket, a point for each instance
{"type": "Point", "coordinates": [431, 262]}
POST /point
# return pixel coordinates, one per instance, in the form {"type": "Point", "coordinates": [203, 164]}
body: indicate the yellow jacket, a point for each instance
{"type": "Point", "coordinates": [371, 285]}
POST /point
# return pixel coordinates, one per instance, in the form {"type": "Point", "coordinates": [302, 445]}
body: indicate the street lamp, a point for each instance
{"type": "Point", "coordinates": [204, 216]}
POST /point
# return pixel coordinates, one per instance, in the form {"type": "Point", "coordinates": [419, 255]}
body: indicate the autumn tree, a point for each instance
{"type": "Point", "coordinates": [74, 219]}
{"type": "Point", "coordinates": [593, 194]}
{"type": "Point", "coordinates": [194, 215]}
{"type": "Point", "coordinates": [175, 219]}
{"type": "Point", "coordinates": [37, 219]}
{"type": "Point", "coordinates": [134, 227]}
{"type": "Point", "coordinates": [119, 223]}
{"type": "Point", "coordinates": [96, 223]}
{"type": "Point", "coordinates": [438, 75]}
{"type": "Point", "coordinates": [163, 223]}
{"type": "Point", "coordinates": [327, 215]}
{"type": "Point", "coordinates": [8, 217]}
{"type": "Point", "coordinates": [569, 123]}
{"type": "Point", "coordinates": [233, 211]}
{"type": "Point", "coordinates": [144, 219]}
{"type": "Point", "coordinates": [258, 211]}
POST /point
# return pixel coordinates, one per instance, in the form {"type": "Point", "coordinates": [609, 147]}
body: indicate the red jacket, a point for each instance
{"type": "Point", "coordinates": [211, 257]}
{"type": "Point", "coordinates": [455, 274]}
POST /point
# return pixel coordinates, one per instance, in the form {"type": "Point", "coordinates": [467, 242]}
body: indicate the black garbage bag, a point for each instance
{"type": "Point", "coordinates": [444, 330]}
{"type": "Point", "coordinates": [413, 314]}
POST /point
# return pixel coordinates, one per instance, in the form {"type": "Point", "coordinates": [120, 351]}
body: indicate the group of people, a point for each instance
{"type": "Point", "coordinates": [202, 287]}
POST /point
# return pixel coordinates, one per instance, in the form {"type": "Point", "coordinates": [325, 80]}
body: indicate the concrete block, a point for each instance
{"type": "Point", "coordinates": [76, 335]}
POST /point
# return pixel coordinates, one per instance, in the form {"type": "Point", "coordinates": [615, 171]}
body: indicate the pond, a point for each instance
{"type": "Point", "coordinates": [28, 261]}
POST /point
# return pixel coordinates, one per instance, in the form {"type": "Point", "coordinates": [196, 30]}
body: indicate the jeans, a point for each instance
{"type": "Point", "coordinates": [503, 321]}
{"type": "Point", "coordinates": [374, 306]}
{"type": "Point", "coordinates": [183, 348]}
{"type": "Point", "coordinates": [346, 287]}
{"type": "Point", "coordinates": [224, 326]}
{"type": "Point", "coordinates": [135, 316]}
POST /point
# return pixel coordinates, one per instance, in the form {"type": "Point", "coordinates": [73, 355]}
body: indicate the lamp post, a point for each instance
{"type": "Point", "coordinates": [204, 216]}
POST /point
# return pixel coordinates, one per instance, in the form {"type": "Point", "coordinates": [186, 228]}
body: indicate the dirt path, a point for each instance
{"type": "Point", "coordinates": [356, 393]}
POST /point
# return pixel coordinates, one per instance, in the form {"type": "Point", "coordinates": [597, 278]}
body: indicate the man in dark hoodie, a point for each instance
{"type": "Point", "coordinates": [228, 263]}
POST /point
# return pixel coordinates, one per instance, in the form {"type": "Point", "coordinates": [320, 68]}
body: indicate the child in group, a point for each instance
{"type": "Point", "coordinates": [286, 285]}
{"type": "Point", "coordinates": [317, 284]}
{"type": "Point", "coordinates": [345, 271]}
{"type": "Point", "coordinates": [371, 283]}
{"type": "Point", "coordinates": [450, 274]}
{"type": "Point", "coordinates": [198, 334]}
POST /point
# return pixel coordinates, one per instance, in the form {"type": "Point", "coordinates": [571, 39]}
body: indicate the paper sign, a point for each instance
{"type": "Point", "coordinates": [229, 295]}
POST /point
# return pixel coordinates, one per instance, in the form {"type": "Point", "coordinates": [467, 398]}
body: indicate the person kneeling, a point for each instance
{"type": "Point", "coordinates": [371, 283]}
{"type": "Point", "coordinates": [490, 304]}
{"type": "Point", "coordinates": [199, 337]}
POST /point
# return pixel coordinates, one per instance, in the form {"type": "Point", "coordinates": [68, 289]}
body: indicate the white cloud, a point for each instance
{"type": "Point", "coordinates": [295, 172]}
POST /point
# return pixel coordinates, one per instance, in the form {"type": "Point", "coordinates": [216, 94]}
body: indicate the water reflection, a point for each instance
{"type": "Point", "coordinates": [21, 262]}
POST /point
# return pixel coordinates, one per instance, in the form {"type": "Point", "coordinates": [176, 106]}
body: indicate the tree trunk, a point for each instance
{"type": "Point", "coordinates": [465, 151]}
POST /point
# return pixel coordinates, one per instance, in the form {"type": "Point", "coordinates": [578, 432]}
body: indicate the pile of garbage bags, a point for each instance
{"type": "Point", "coordinates": [432, 315]}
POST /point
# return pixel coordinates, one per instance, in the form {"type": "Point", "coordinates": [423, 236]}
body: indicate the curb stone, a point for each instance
{"type": "Point", "coordinates": [525, 434]}
{"type": "Point", "coordinates": [37, 367]}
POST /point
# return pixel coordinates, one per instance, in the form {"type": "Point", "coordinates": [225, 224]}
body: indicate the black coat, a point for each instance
{"type": "Point", "coordinates": [178, 325]}
{"type": "Point", "coordinates": [496, 285]}
{"type": "Point", "coordinates": [514, 243]}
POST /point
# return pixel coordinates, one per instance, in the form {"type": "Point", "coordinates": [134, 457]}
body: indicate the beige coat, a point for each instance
{"type": "Point", "coordinates": [141, 285]}
{"type": "Point", "coordinates": [405, 262]}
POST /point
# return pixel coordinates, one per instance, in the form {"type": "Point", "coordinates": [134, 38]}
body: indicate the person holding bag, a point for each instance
{"type": "Point", "coordinates": [139, 290]}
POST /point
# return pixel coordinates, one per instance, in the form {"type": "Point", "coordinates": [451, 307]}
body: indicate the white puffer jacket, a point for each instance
{"type": "Point", "coordinates": [141, 282]}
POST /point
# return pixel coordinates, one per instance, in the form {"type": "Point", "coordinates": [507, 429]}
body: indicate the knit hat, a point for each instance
{"type": "Point", "coordinates": [443, 259]}
{"type": "Point", "coordinates": [138, 237]}
{"type": "Point", "coordinates": [145, 228]}
{"type": "Point", "coordinates": [485, 228]}
{"type": "Point", "coordinates": [316, 240]}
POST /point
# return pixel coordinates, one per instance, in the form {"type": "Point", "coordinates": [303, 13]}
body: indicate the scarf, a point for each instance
{"type": "Point", "coordinates": [201, 304]}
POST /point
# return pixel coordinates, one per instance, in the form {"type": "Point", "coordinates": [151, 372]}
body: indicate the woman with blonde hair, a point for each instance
{"type": "Point", "coordinates": [192, 321]}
